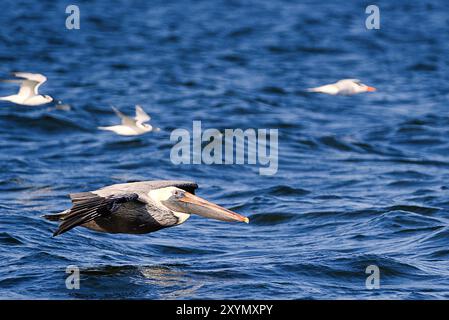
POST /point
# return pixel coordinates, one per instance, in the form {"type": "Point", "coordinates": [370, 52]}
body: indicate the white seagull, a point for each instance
{"type": "Point", "coordinates": [28, 94]}
{"type": "Point", "coordinates": [130, 126]}
{"type": "Point", "coordinates": [344, 87]}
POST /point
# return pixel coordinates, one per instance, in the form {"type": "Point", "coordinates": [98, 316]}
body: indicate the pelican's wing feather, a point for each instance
{"type": "Point", "coordinates": [143, 187]}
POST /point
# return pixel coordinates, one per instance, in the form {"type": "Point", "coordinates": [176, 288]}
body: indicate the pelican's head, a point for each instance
{"type": "Point", "coordinates": [181, 201]}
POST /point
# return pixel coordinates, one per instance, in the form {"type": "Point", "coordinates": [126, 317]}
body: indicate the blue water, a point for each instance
{"type": "Point", "coordinates": [362, 180]}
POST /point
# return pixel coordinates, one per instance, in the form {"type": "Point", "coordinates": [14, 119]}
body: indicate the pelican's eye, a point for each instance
{"type": "Point", "coordinates": [178, 194]}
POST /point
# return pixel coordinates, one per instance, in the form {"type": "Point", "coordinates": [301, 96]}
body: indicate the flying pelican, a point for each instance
{"type": "Point", "coordinates": [138, 207]}
{"type": "Point", "coordinates": [344, 87]}
{"type": "Point", "coordinates": [130, 126]}
{"type": "Point", "coordinates": [28, 94]}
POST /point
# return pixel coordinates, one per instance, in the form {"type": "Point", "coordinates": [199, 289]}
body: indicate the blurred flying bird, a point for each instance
{"type": "Point", "coordinates": [28, 94]}
{"type": "Point", "coordinates": [344, 87]}
{"type": "Point", "coordinates": [132, 126]}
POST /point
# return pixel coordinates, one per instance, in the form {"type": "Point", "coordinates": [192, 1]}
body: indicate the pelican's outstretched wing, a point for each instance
{"type": "Point", "coordinates": [88, 206]}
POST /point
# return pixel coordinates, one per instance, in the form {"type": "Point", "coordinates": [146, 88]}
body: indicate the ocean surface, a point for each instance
{"type": "Point", "coordinates": [362, 180]}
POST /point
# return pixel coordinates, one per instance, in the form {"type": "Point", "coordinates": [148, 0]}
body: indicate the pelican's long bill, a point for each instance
{"type": "Point", "coordinates": [192, 204]}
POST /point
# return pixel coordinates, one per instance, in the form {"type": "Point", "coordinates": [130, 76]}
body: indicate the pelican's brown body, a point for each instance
{"type": "Point", "coordinates": [131, 218]}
